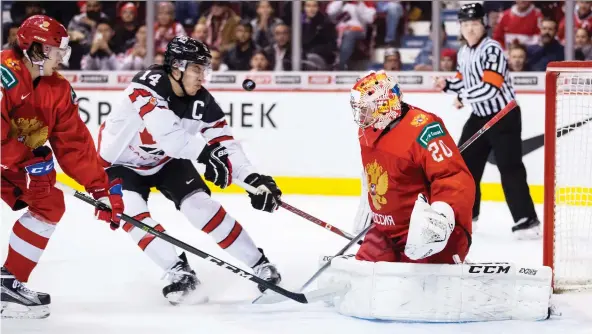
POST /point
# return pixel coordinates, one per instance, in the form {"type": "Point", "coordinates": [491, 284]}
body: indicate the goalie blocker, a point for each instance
{"type": "Point", "coordinates": [439, 292]}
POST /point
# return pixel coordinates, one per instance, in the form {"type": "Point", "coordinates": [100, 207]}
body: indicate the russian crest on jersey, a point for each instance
{"type": "Point", "coordinates": [376, 100]}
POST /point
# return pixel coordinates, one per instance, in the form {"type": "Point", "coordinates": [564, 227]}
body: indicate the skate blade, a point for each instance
{"type": "Point", "coordinates": [192, 298]}
{"type": "Point", "coordinates": [17, 311]}
{"type": "Point", "coordinates": [529, 234]}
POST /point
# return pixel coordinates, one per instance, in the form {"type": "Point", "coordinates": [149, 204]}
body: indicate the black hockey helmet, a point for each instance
{"type": "Point", "coordinates": [472, 11]}
{"type": "Point", "coordinates": [183, 50]}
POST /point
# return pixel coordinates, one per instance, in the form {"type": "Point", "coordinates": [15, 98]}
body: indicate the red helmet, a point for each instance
{"type": "Point", "coordinates": [42, 29]}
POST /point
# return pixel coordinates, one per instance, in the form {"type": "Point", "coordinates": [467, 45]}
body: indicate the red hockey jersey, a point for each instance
{"type": "Point", "coordinates": [585, 22]}
{"type": "Point", "coordinates": [523, 27]}
{"type": "Point", "coordinates": [33, 113]}
{"type": "Point", "coordinates": [416, 156]}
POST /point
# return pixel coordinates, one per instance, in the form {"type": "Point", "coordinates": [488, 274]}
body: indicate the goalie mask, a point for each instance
{"type": "Point", "coordinates": [375, 100]}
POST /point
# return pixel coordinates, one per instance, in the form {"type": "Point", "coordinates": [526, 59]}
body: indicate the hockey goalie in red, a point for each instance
{"type": "Point", "coordinates": [38, 105]}
{"type": "Point", "coordinates": [419, 189]}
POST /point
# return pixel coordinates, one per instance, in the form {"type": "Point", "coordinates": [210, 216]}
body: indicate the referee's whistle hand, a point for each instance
{"type": "Point", "coordinates": [439, 83]}
{"type": "Point", "coordinates": [458, 104]}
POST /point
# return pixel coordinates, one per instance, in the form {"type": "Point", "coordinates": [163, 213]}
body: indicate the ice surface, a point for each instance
{"type": "Point", "coordinates": [100, 282]}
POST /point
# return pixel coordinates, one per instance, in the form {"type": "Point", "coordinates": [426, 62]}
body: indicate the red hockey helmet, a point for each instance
{"type": "Point", "coordinates": [44, 30]}
{"type": "Point", "coordinates": [48, 32]}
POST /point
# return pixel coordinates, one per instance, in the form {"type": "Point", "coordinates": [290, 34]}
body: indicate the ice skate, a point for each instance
{"type": "Point", "coordinates": [19, 302]}
{"type": "Point", "coordinates": [184, 284]}
{"type": "Point", "coordinates": [266, 271]}
{"type": "Point", "coordinates": [527, 229]}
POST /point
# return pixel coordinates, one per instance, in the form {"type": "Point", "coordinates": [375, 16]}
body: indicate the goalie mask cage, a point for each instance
{"type": "Point", "coordinates": [567, 238]}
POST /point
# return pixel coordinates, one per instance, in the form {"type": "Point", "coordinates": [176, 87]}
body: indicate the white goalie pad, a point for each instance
{"type": "Point", "coordinates": [439, 292]}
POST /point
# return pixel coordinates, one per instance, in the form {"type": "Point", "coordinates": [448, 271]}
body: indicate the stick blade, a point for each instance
{"type": "Point", "coordinates": [310, 297]}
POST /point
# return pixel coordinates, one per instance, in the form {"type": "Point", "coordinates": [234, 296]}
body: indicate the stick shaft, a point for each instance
{"type": "Point", "coordinates": [488, 125]}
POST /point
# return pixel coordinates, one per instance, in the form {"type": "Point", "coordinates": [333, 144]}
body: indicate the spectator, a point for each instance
{"type": "Point", "coordinates": [200, 32]}
{"type": "Point", "coordinates": [166, 28]}
{"type": "Point", "coordinates": [448, 60]}
{"type": "Point", "coordinates": [279, 53]}
{"type": "Point", "coordinates": [134, 56]}
{"type": "Point", "coordinates": [582, 45]}
{"type": "Point", "coordinates": [264, 24]}
{"type": "Point", "coordinates": [10, 35]}
{"type": "Point", "coordinates": [493, 18]}
{"type": "Point", "coordinates": [20, 10]}
{"type": "Point", "coordinates": [582, 19]}
{"type": "Point", "coordinates": [520, 23]}
{"type": "Point", "coordinates": [319, 38]}
{"type": "Point", "coordinates": [217, 64]}
{"type": "Point", "coordinates": [222, 23]}
{"type": "Point", "coordinates": [239, 56]}
{"type": "Point", "coordinates": [101, 56]}
{"type": "Point", "coordinates": [82, 27]}
{"type": "Point", "coordinates": [126, 28]}
{"type": "Point", "coordinates": [423, 61]}
{"type": "Point", "coordinates": [548, 49]}
{"type": "Point", "coordinates": [352, 20]}
{"type": "Point", "coordinates": [259, 62]}
{"type": "Point", "coordinates": [394, 13]}
{"type": "Point", "coordinates": [392, 60]}
{"type": "Point", "coordinates": [517, 58]}
{"type": "Point", "coordinates": [159, 58]}
{"type": "Point", "coordinates": [187, 12]}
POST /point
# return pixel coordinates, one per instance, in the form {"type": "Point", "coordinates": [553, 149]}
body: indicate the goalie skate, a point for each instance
{"type": "Point", "coordinates": [184, 284]}
{"type": "Point", "coordinates": [19, 302]}
{"type": "Point", "coordinates": [266, 271]}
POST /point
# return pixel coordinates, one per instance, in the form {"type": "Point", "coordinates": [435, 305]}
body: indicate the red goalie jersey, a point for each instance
{"type": "Point", "coordinates": [417, 155]}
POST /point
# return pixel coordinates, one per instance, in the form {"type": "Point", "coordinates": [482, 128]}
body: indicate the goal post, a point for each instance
{"type": "Point", "coordinates": [567, 241]}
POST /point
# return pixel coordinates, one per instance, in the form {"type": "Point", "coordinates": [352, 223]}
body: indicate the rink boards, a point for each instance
{"type": "Point", "coordinates": [306, 138]}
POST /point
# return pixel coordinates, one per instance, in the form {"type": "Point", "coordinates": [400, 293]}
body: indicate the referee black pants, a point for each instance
{"type": "Point", "coordinates": [504, 139]}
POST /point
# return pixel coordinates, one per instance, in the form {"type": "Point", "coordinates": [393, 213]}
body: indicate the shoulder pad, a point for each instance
{"type": "Point", "coordinates": [155, 79]}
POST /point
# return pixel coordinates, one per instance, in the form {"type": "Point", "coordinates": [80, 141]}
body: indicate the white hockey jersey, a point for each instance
{"type": "Point", "coordinates": [151, 125]}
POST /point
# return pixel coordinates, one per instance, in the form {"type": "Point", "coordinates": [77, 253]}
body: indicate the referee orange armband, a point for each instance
{"type": "Point", "coordinates": [493, 78]}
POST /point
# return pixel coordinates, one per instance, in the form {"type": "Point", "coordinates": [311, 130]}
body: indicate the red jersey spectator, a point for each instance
{"type": "Point", "coordinates": [520, 23]}
{"type": "Point", "coordinates": [166, 28]}
{"type": "Point", "coordinates": [582, 19]}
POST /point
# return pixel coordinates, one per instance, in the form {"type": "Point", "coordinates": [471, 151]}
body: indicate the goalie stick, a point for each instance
{"type": "Point", "coordinates": [299, 212]}
{"type": "Point", "coordinates": [299, 297]}
{"type": "Point", "coordinates": [269, 298]}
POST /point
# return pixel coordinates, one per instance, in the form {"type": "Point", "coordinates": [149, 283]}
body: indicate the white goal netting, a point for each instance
{"type": "Point", "coordinates": [572, 245]}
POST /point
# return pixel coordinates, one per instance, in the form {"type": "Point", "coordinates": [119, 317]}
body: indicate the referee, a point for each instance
{"type": "Point", "coordinates": [483, 82]}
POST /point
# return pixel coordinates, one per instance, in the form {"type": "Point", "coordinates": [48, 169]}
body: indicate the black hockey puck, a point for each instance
{"type": "Point", "coordinates": [248, 85]}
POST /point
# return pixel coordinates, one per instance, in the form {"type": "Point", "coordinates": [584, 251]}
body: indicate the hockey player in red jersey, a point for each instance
{"type": "Point", "coordinates": [419, 189]}
{"type": "Point", "coordinates": [38, 105]}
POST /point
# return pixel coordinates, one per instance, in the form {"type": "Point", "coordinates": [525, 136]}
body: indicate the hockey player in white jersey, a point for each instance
{"type": "Point", "coordinates": [165, 121]}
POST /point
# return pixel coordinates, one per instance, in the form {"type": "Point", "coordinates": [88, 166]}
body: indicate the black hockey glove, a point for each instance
{"type": "Point", "coordinates": [218, 166]}
{"type": "Point", "coordinates": [270, 199]}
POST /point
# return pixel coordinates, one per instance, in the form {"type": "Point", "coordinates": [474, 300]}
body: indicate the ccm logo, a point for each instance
{"type": "Point", "coordinates": [489, 269]}
{"type": "Point", "coordinates": [40, 168]}
{"type": "Point", "coordinates": [527, 271]}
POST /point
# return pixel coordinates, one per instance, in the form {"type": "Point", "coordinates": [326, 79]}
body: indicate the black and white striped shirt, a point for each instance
{"type": "Point", "coordinates": [482, 79]}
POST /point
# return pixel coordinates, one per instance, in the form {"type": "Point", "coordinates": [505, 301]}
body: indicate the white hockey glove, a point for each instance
{"type": "Point", "coordinates": [429, 228]}
{"type": "Point", "coordinates": [364, 214]}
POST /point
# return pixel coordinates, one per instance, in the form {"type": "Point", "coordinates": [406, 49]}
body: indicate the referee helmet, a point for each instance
{"type": "Point", "coordinates": [472, 12]}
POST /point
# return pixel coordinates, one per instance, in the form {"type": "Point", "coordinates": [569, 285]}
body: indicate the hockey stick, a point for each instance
{"type": "Point", "coordinates": [299, 212]}
{"type": "Point", "coordinates": [509, 107]}
{"type": "Point", "coordinates": [299, 297]}
{"type": "Point", "coordinates": [274, 298]}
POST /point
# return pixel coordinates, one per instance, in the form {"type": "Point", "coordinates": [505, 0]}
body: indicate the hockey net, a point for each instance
{"type": "Point", "coordinates": [568, 175]}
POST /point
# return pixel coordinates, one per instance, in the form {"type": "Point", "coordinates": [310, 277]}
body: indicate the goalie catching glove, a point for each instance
{"type": "Point", "coordinates": [268, 197]}
{"type": "Point", "coordinates": [218, 166]}
{"type": "Point", "coordinates": [430, 228]}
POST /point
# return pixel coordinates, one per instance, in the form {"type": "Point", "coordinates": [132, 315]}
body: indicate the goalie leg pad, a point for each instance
{"type": "Point", "coordinates": [440, 292]}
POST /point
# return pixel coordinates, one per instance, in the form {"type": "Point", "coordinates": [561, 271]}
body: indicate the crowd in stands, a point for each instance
{"type": "Point", "coordinates": [335, 35]}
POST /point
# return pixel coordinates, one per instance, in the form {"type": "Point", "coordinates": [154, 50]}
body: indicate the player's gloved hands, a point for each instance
{"type": "Point", "coordinates": [218, 166]}
{"type": "Point", "coordinates": [113, 198]}
{"type": "Point", "coordinates": [41, 175]}
{"type": "Point", "coordinates": [269, 196]}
